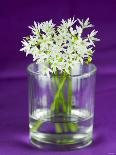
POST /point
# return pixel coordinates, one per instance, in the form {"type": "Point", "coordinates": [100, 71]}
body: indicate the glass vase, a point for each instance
{"type": "Point", "coordinates": [61, 108]}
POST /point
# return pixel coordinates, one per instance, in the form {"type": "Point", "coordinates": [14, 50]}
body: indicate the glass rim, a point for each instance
{"type": "Point", "coordinates": [83, 75]}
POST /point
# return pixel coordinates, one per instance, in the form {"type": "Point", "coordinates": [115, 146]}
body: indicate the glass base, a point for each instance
{"type": "Point", "coordinates": [62, 132]}
{"type": "Point", "coordinates": [60, 147]}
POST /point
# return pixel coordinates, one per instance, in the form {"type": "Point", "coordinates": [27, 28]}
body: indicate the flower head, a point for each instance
{"type": "Point", "coordinates": [60, 47]}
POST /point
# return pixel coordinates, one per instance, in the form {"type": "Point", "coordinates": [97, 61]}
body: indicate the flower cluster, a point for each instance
{"type": "Point", "coordinates": [60, 47]}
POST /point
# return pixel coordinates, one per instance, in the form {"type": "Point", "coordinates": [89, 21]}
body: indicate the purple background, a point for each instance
{"type": "Point", "coordinates": [15, 16]}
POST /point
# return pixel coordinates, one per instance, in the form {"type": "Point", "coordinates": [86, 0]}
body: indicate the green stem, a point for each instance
{"type": "Point", "coordinates": [69, 95]}
{"type": "Point", "coordinates": [58, 97]}
{"type": "Point", "coordinates": [54, 105]}
{"type": "Point", "coordinates": [72, 126]}
{"type": "Point", "coordinates": [36, 125]}
{"type": "Point", "coordinates": [61, 96]}
{"type": "Point", "coordinates": [65, 107]}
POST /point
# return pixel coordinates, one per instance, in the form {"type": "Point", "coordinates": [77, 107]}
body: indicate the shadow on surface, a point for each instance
{"type": "Point", "coordinates": [98, 140]}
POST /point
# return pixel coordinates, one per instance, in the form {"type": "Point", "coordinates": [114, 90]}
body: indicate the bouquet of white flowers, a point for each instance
{"type": "Point", "coordinates": [57, 49]}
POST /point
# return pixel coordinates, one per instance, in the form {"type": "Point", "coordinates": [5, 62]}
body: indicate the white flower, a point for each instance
{"type": "Point", "coordinates": [26, 47]}
{"type": "Point", "coordinates": [59, 48]}
{"type": "Point", "coordinates": [79, 30]}
{"type": "Point", "coordinates": [66, 24]}
{"type": "Point", "coordinates": [33, 40]}
{"type": "Point", "coordinates": [36, 28]}
{"type": "Point", "coordinates": [48, 27]}
{"type": "Point", "coordinates": [91, 37]}
{"type": "Point", "coordinates": [73, 32]}
{"type": "Point", "coordinates": [85, 24]}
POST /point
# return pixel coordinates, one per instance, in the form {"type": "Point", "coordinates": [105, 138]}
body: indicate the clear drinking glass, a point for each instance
{"type": "Point", "coordinates": [61, 108]}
